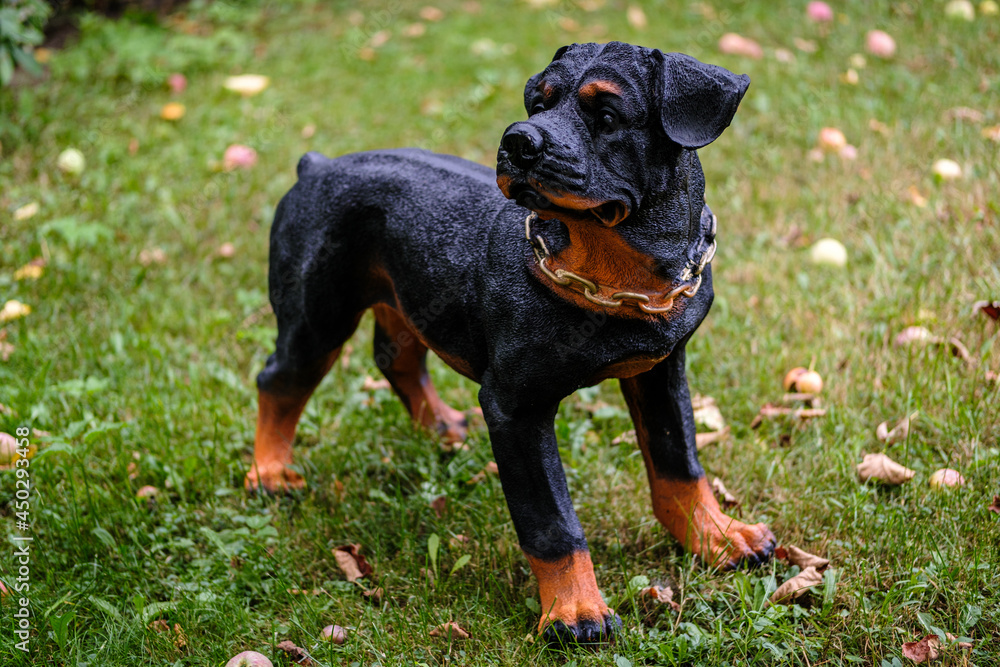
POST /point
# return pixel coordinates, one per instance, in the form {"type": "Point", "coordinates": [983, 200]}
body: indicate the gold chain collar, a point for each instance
{"type": "Point", "coordinates": [690, 278]}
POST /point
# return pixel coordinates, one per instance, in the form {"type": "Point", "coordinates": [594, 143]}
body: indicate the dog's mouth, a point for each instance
{"type": "Point", "coordinates": [561, 205]}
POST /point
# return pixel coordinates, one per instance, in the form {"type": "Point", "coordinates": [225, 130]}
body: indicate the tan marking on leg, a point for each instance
{"type": "Point", "coordinates": [568, 590]}
{"type": "Point", "coordinates": [407, 373]}
{"type": "Point", "coordinates": [277, 418]}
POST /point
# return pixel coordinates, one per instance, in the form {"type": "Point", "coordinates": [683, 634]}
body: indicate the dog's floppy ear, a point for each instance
{"type": "Point", "coordinates": [697, 101]}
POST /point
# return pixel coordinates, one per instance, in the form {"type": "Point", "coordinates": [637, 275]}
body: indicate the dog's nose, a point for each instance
{"type": "Point", "coordinates": [523, 144]}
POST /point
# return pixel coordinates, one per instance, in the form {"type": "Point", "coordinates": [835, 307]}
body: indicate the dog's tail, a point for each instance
{"type": "Point", "coordinates": [310, 163]}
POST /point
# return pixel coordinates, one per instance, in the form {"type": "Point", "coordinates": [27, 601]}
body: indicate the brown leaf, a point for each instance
{"type": "Point", "coordinates": [989, 308]}
{"type": "Point", "coordinates": [803, 559]}
{"type": "Point", "coordinates": [351, 562]}
{"type": "Point", "coordinates": [923, 650]}
{"type": "Point", "coordinates": [180, 638]}
{"type": "Point", "coordinates": [726, 499]}
{"type": "Point", "coordinates": [911, 335]}
{"type": "Point", "coordinates": [297, 655]}
{"type": "Point", "coordinates": [159, 625]}
{"type": "Point", "coordinates": [451, 629]}
{"type": "Point", "coordinates": [797, 586]}
{"type": "Point", "coordinates": [705, 439]}
{"type": "Point", "coordinates": [898, 432]}
{"type": "Point", "coordinates": [964, 113]}
{"type": "Point", "coordinates": [628, 437]}
{"type": "Point", "coordinates": [769, 411]}
{"type": "Point", "coordinates": [995, 507]}
{"type": "Point", "coordinates": [439, 505]}
{"type": "Point", "coordinates": [371, 384]}
{"type": "Point", "coordinates": [374, 595]}
{"type": "Point", "coordinates": [883, 469]}
{"type": "Point", "coordinates": [661, 594]}
{"type": "Point", "coordinates": [707, 413]}
{"type": "Point", "coordinates": [962, 646]}
{"type": "Point", "coordinates": [739, 45]}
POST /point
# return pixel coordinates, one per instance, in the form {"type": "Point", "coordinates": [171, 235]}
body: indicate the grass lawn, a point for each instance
{"type": "Point", "coordinates": [139, 356]}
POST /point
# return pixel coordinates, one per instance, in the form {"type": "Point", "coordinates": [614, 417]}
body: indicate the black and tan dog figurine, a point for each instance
{"type": "Point", "coordinates": [591, 261]}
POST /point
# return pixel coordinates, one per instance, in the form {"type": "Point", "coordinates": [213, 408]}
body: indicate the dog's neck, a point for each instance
{"type": "Point", "coordinates": [599, 270]}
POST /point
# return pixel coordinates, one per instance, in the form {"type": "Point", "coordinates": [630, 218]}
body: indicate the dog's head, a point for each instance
{"type": "Point", "coordinates": [606, 126]}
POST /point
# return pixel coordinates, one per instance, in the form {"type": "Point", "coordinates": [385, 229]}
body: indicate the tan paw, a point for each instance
{"type": "Point", "coordinates": [737, 545]}
{"type": "Point", "coordinates": [274, 478]}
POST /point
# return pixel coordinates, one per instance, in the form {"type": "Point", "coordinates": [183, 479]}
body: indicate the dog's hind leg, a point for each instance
{"type": "Point", "coordinates": [402, 358]}
{"type": "Point", "coordinates": [683, 502]}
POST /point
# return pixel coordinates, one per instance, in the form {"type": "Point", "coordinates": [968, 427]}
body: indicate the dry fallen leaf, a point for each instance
{"type": "Point", "coordinates": [989, 308]}
{"type": "Point", "coordinates": [371, 384]}
{"type": "Point", "coordinates": [707, 413]}
{"type": "Point", "coordinates": [180, 637]}
{"type": "Point", "coordinates": [159, 625]}
{"type": "Point", "coordinates": [451, 629]}
{"type": "Point", "coordinates": [31, 271]}
{"type": "Point", "coordinates": [726, 499]}
{"type": "Point", "coordinates": [705, 439]}
{"type": "Point", "coordinates": [964, 113]}
{"type": "Point", "coordinates": [439, 505]}
{"type": "Point", "coordinates": [13, 310]}
{"type": "Point", "coordinates": [295, 654]}
{"type": "Point", "coordinates": [27, 211]}
{"type": "Point", "coordinates": [636, 17]}
{"type": "Point", "coordinates": [965, 646]}
{"type": "Point", "coordinates": [883, 469]}
{"type": "Point", "coordinates": [915, 335]}
{"type": "Point", "coordinates": [431, 13]}
{"type": "Point", "coordinates": [739, 45]}
{"type": "Point", "coordinates": [797, 586]}
{"type": "Point", "coordinates": [150, 256]}
{"type": "Point", "coordinates": [923, 650]}
{"type": "Point", "coordinates": [898, 432]}
{"type": "Point", "coordinates": [628, 438]}
{"type": "Point", "coordinates": [992, 133]}
{"type": "Point", "coordinates": [351, 562]}
{"type": "Point", "coordinates": [246, 84]}
{"type": "Point", "coordinates": [803, 559]}
{"type": "Point", "coordinates": [995, 507]}
{"type": "Point", "coordinates": [374, 595]}
{"type": "Point", "coordinates": [769, 411]}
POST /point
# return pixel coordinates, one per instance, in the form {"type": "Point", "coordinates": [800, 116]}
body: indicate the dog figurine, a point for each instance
{"type": "Point", "coordinates": [591, 261]}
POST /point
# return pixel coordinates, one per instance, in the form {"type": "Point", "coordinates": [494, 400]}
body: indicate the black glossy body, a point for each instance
{"type": "Point", "coordinates": [434, 238]}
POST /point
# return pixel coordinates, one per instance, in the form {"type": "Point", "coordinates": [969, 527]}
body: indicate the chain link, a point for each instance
{"type": "Point", "coordinates": [690, 276]}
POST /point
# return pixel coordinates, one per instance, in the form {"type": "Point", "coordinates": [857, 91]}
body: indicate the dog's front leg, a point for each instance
{"type": "Point", "coordinates": [682, 498]}
{"type": "Point", "coordinates": [524, 444]}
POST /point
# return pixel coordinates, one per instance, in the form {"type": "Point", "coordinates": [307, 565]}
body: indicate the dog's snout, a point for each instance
{"type": "Point", "coordinates": [523, 144]}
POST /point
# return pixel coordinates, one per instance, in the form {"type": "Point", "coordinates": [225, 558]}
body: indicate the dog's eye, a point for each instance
{"type": "Point", "coordinates": [609, 120]}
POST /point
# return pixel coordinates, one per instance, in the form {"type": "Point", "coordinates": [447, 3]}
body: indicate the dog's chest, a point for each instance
{"type": "Point", "coordinates": [626, 368]}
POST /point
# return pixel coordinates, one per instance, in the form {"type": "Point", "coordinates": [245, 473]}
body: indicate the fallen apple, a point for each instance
{"type": "Point", "coordinates": [946, 170]}
{"type": "Point", "coordinates": [792, 376]}
{"type": "Point", "coordinates": [960, 9]}
{"type": "Point", "coordinates": [809, 382]}
{"type": "Point", "coordinates": [820, 12]}
{"type": "Point", "coordinates": [172, 111]}
{"type": "Point", "coordinates": [249, 659]}
{"type": "Point", "coordinates": [71, 161]}
{"type": "Point", "coordinates": [828, 251]}
{"type": "Point", "coordinates": [946, 478]}
{"type": "Point", "coordinates": [8, 449]}
{"type": "Point", "coordinates": [880, 43]}
{"type": "Point", "coordinates": [333, 633]}
{"type": "Point", "coordinates": [831, 139]}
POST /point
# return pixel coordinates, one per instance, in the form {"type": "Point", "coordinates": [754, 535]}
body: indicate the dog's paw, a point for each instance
{"type": "Point", "coordinates": [580, 626]}
{"type": "Point", "coordinates": [738, 545]}
{"type": "Point", "coordinates": [273, 478]}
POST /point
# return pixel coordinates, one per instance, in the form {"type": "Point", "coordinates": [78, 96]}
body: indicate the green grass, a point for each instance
{"type": "Point", "coordinates": [143, 375]}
